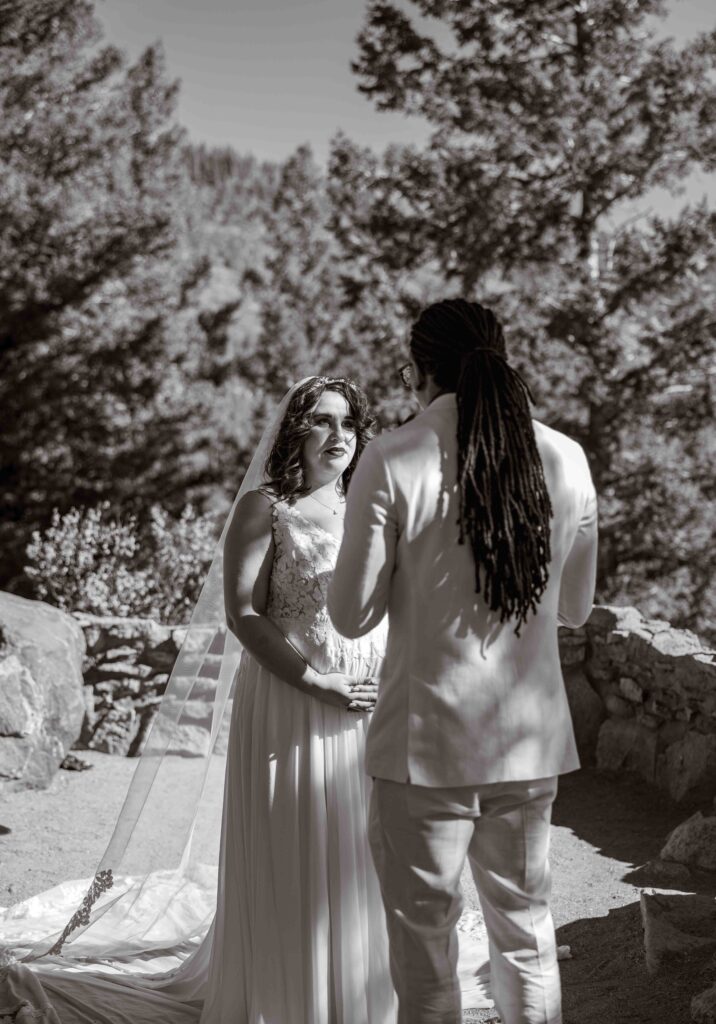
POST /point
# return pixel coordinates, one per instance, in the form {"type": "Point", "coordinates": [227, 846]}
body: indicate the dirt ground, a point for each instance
{"type": "Point", "coordinates": [604, 829]}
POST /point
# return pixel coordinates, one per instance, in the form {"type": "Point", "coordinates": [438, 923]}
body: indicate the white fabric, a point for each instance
{"type": "Point", "coordinates": [299, 935]}
{"type": "Point", "coordinates": [420, 838]}
{"type": "Point", "coordinates": [140, 915]}
{"type": "Point", "coordinates": [136, 904]}
{"type": "Point", "coordinates": [462, 699]}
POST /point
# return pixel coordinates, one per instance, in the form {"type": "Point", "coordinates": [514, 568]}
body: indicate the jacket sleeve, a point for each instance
{"type": "Point", "coordinates": [579, 574]}
{"type": "Point", "coordinates": [360, 586]}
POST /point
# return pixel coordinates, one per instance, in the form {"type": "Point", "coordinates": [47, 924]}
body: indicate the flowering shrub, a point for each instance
{"type": "Point", "coordinates": [89, 560]}
{"type": "Point", "coordinates": [181, 555]}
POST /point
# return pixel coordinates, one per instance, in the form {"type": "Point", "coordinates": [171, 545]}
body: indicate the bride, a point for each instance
{"type": "Point", "coordinates": [298, 896]}
{"type": "Point", "coordinates": [280, 921]}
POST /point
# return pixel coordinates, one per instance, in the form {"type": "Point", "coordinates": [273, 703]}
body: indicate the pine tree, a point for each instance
{"type": "Point", "coordinates": [380, 296]}
{"type": "Point", "coordinates": [546, 119]}
{"type": "Point", "coordinates": [297, 290]}
{"type": "Point", "coordinates": [92, 183]}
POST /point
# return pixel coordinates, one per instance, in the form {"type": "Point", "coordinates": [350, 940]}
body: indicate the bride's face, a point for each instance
{"type": "Point", "coordinates": [330, 446]}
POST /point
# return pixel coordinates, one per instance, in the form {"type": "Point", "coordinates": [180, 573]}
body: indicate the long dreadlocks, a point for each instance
{"type": "Point", "coordinates": [504, 505]}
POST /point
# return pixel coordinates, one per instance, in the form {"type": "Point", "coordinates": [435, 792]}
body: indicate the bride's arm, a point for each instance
{"type": "Point", "coordinates": [248, 557]}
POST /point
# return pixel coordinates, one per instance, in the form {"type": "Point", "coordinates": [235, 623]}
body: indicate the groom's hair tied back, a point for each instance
{"type": "Point", "coordinates": [284, 465]}
{"type": "Point", "coordinates": [504, 504]}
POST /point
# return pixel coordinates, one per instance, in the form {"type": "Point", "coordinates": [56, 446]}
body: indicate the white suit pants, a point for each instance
{"type": "Point", "coordinates": [420, 837]}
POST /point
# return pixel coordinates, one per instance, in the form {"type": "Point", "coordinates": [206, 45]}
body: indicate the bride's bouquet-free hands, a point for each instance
{"type": "Point", "coordinates": [344, 691]}
{"type": "Point", "coordinates": [364, 694]}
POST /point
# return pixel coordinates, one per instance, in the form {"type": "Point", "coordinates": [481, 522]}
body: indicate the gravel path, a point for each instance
{"type": "Point", "coordinates": [603, 829]}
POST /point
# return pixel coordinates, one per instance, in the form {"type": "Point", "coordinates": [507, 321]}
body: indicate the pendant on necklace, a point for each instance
{"type": "Point", "coordinates": [333, 511]}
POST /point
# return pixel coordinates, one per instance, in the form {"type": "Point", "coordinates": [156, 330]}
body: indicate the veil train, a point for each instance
{"type": "Point", "coordinates": [148, 909]}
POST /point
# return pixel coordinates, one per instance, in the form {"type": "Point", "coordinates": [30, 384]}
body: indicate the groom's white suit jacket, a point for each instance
{"type": "Point", "coordinates": [462, 700]}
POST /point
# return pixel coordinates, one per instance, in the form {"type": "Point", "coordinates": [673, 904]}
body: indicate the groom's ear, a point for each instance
{"type": "Point", "coordinates": [419, 376]}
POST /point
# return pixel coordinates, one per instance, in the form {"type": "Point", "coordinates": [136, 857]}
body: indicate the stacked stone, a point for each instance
{"type": "Point", "coordinates": [657, 687]}
{"type": "Point", "coordinates": [126, 669]}
{"type": "Point", "coordinates": [642, 694]}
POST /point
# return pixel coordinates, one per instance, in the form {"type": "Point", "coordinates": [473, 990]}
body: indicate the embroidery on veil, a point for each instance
{"type": "Point", "coordinates": [165, 843]}
{"type": "Point", "coordinates": [102, 882]}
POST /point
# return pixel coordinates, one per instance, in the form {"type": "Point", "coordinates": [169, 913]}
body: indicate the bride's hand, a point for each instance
{"type": "Point", "coordinates": [364, 693]}
{"type": "Point", "coordinates": [344, 691]}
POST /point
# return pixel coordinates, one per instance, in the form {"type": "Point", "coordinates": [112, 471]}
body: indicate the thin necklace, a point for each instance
{"type": "Point", "coordinates": [330, 509]}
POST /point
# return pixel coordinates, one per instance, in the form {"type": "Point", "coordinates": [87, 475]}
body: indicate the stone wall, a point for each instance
{"type": "Point", "coordinates": [643, 698]}
{"type": "Point", "coordinates": [126, 668]}
{"type": "Point", "coordinates": [643, 695]}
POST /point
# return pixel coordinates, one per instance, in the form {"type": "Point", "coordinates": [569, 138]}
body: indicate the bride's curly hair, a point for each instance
{"type": "Point", "coordinates": [284, 466]}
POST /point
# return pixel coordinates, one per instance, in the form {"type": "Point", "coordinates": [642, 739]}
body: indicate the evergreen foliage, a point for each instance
{"type": "Point", "coordinates": [156, 297]}
{"type": "Point", "coordinates": [90, 221]}
{"type": "Point", "coordinates": [547, 119]}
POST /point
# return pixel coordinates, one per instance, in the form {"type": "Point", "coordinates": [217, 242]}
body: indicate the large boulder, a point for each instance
{"type": "Point", "coordinates": [624, 744]}
{"type": "Point", "coordinates": [677, 927]}
{"type": "Point", "coordinates": [693, 843]}
{"type": "Point", "coordinates": [688, 767]}
{"type": "Point", "coordinates": [703, 1007]}
{"type": "Point", "coordinates": [42, 702]}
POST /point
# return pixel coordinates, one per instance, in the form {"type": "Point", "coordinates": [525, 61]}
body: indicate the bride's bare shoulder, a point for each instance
{"type": "Point", "coordinates": [253, 511]}
{"type": "Point", "coordinates": [260, 500]}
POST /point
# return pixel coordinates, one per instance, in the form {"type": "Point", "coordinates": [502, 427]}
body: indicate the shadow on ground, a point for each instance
{"type": "Point", "coordinates": [622, 817]}
{"type": "Point", "coordinates": [606, 982]}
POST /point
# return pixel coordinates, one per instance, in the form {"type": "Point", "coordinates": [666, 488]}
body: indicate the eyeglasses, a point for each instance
{"type": "Point", "coordinates": [406, 376]}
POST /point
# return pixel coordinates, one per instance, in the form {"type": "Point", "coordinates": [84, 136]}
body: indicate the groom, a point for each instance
{"type": "Point", "coordinates": [475, 528]}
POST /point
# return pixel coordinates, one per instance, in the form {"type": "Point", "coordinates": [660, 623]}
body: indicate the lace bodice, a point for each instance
{"type": "Point", "coordinates": [304, 558]}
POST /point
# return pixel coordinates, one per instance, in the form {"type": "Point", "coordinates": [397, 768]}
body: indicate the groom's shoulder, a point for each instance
{"type": "Point", "coordinates": [406, 438]}
{"type": "Point", "coordinates": [404, 455]}
{"type": "Point", "coordinates": [555, 445]}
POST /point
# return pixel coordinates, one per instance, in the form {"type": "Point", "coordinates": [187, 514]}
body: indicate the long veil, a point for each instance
{"type": "Point", "coordinates": [153, 896]}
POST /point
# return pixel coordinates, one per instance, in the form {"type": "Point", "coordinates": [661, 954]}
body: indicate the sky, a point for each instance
{"type": "Point", "coordinates": [265, 76]}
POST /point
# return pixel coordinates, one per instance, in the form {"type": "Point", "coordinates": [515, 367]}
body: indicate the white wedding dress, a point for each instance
{"type": "Point", "coordinates": [299, 934]}
{"type": "Point", "coordinates": [298, 898]}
